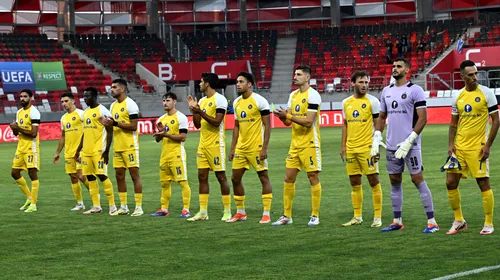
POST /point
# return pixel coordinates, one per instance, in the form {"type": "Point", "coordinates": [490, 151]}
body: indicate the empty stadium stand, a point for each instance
{"type": "Point", "coordinates": [258, 47]}
{"type": "Point", "coordinates": [120, 52]}
{"type": "Point", "coordinates": [489, 34]}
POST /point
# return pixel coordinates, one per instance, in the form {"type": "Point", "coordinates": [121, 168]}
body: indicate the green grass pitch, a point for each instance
{"type": "Point", "coordinates": [55, 243]}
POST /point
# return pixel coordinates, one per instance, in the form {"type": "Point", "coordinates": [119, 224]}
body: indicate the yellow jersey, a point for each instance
{"type": "Point", "coordinates": [474, 109]}
{"type": "Point", "coordinates": [249, 112]}
{"type": "Point", "coordinates": [26, 119]}
{"type": "Point", "coordinates": [175, 124]}
{"type": "Point", "coordinates": [359, 114]}
{"type": "Point", "coordinates": [72, 126]}
{"type": "Point", "coordinates": [124, 112]}
{"type": "Point", "coordinates": [94, 133]}
{"type": "Point", "coordinates": [299, 104]}
{"type": "Point", "coordinates": [210, 135]}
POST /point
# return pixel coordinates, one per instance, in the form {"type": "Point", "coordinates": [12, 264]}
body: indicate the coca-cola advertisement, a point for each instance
{"type": "Point", "coordinates": [52, 130]}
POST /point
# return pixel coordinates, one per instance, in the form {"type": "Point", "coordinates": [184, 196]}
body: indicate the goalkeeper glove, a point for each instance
{"type": "Point", "coordinates": [376, 142]}
{"type": "Point", "coordinates": [405, 146]}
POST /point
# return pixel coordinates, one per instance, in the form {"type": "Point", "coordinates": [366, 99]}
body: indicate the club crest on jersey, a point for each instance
{"type": "Point", "coordinates": [21, 121]}
{"type": "Point", "coordinates": [210, 104]}
{"type": "Point", "coordinates": [403, 96]}
{"type": "Point", "coordinates": [355, 114]}
{"type": "Point", "coordinates": [243, 114]}
{"type": "Point", "coordinates": [394, 104]}
{"type": "Point", "coordinates": [74, 118]}
{"type": "Point", "coordinates": [297, 108]}
{"type": "Point", "coordinates": [304, 100]}
{"type": "Point", "coordinates": [467, 108]}
{"type": "Point", "coordinates": [68, 125]}
{"type": "Point", "coordinates": [122, 109]}
{"type": "Point", "coordinates": [94, 115]}
{"type": "Point", "coordinates": [88, 121]}
{"type": "Point", "coordinates": [116, 116]}
{"type": "Point", "coordinates": [26, 116]}
{"type": "Point", "coordinates": [363, 106]}
{"type": "Point", "coordinates": [172, 121]}
{"type": "Point", "coordinates": [250, 106]}
{"type": "Point", "coordinates": [478, 99]}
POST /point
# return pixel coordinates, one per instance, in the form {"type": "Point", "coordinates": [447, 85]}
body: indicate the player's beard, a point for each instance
{"type": "Point", "coordinates": [24, 103]}
{"type": "Point", "coordinates": [240, 93]}
{"type": "Point", "coordinates": [398, 76]}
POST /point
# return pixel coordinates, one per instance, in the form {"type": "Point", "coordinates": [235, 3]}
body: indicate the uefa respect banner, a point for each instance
{"type": "Point", "coordinates": [17, 76]}
{"type": "Point", "coordinates": [49, 76]}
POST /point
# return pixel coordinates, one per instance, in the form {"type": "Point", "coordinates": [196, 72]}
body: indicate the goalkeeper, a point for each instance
{"type": "Point", "coordinates": [403, 105]}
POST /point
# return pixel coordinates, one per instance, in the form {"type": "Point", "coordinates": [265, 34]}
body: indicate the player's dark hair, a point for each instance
{"type": "Point", "coordinates": [304, 68]}
{"type": "Point", "coordinates": [170, 95]}
{"type": "Point", "coordinates": [358, 74]}
{"type": "Point", "coordinates": [211, 78]}
{"type": "Point", "coordinates": [404, 60]}
{"type": "Point", "coordinates": [28, 91]}
{"type": "Point", "coordinates": [68, 94]}
{"type": "Point", "coordinates": [120, 82]}
{"type": "Point", "coordinates": [92, 90]}
{"type": "Point", "coordinates": [466, 63]}
{"type": "Point", "coordinates": [247, 76]}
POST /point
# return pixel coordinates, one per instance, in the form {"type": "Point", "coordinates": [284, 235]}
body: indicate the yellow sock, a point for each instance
{"type": "Point", "coordinates": [316, 199]}
{"type": "Point", "coordinates": [186, 194]}
{"type": "Point", "coordinates": [138, 199]}
{"type": "Point", "coordinates": [226, 200]}
{"type": "Point", "coordinates": [377, 201]}
{"type": "Point", "coordinates": [455, 202]}
{"type": "Point", "coordinates": [86, 183]}
{"type": "Point", "coordinates": [94, 193]}
{"type": "Point", "coordinates": [288, 194]}
{"type": "Point", "coordinates": [240, 203]}
{"type": "Point", "coordinates": [357, 200]}
{"type": "Point", "coordinates": [266, 201]}
{"type": "Point", "coordinates": [166, 193]}
{"type": "Point", "coordinates": [21, 182]}
{"type": "Point", "coordinates": [34, 191]}
{"type": "Point", "coordinates": [123, 198]}
{"type": "Point", "coordinates": [108, 191]}
{"type": "Point", "coordinates": [77, 191]}
{"type": "Point", "coordinates": [488, 205]}
{"type": "Point", "coordinates": [204, 203]}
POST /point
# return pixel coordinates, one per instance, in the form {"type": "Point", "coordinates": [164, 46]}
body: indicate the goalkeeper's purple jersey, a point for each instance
{"type": "Point", "coordinates": [401, 104]}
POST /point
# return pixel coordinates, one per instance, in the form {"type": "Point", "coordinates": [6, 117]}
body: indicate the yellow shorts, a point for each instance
{"type": "Point", "coordinates": [244, 160]}
{"type": "Point", "coordinates": [174, 171]}
{"type": "Point", "coordinates": [25, 161]}
{"type": "Point", "coordinates": [213, 158]}
{"type": "Point", "coordinates": [94, 165]}
{"type": "Point", "coordinates": [361, 163]}
{"type": "Point", "coordinates": [309, 158]}
{"type": "Point", "coordinates": [470, 161]}
{"type": "Point", "coordinates": [72, 166]}
{"type": "Point", "coordinates": [126, 159]}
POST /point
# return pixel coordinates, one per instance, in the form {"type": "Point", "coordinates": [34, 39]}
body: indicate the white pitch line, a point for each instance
{"type": "Point", "coordinates": [468, 272]}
